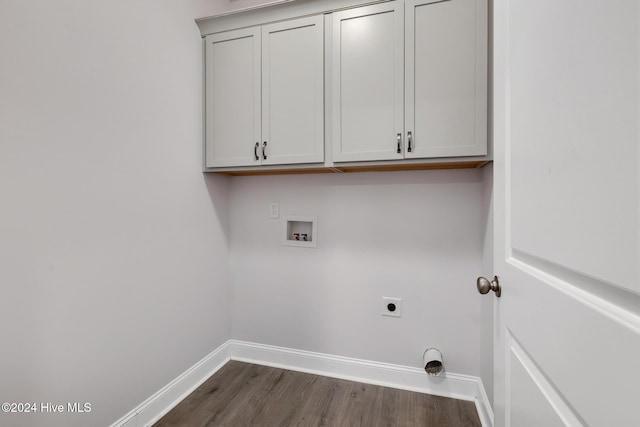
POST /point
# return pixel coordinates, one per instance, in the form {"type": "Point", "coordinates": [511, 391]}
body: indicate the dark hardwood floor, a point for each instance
{"type": "Point", "coordinates": [243, 394]}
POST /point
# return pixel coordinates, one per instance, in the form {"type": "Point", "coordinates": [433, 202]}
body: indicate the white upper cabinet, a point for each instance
{"type": "Point", "coordinates": [293, 91]}
{"type": "Point", "coordinates": [367, 80]}
{"type": "Point", "coordinates": [264, 95]}
{"type": "Point", "coordinates": [446, 78]}
{"type": "Point", "coordinates": [232, 98]}
{"type": "Point", "coordinates": [405, 83]}
{"type": "Point", "coordinates": [410, 80]}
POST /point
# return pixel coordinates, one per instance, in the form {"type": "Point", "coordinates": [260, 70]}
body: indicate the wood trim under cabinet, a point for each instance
{"type": "Point", "coordinates": [414, 167]}
{"type": "Point", "coordinates": [367, 168]}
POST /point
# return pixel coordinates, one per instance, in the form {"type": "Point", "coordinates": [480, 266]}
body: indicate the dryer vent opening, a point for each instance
{"type": "Point", "coordinates": [432, 362]}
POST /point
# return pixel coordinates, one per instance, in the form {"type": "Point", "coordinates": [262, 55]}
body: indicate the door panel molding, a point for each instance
{"type": "Point", "coordinates": [616, 303]}
{"type": "Point", "coordinates": [522, 370]}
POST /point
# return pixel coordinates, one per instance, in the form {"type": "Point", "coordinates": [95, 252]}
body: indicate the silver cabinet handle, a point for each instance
{"type": "Point", "coordinates": [484, 286]}
{"type": "Point", "coordinates": [255, 151]}
{"type": "Point", "coordinates": [264, 150]}
{"type": "Point", "coordinates": [399, 139]}
{"type": "Point", "coordinates": [409, 139]}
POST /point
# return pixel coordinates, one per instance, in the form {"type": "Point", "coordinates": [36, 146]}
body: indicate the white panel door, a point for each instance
{"type": "Point", "coordinates": [367, 99]}
{"type": "Point", "coordinates": [446, 78]}
{"type": "Point", "coordinates": [293, 91]}
{"type": "Point", "coordinates": [233, 98]}
{"type": "Point", "coordinates": [567, 212]}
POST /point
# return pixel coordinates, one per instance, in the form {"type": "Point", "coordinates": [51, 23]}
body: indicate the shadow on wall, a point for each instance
{"type": "Point", "coordinates": [218, 189]}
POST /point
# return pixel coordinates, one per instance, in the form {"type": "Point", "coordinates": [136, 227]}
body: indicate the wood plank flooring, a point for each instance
{"type": "Point", "coordinates": [243, 394]}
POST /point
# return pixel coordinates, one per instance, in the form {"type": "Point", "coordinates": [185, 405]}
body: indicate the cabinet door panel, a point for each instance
{"type": "Point", "coordinates": [367, 98]}
{"type": "Point", "coordinates": [233, 97]}
{"type": "Point", "coordinates": [446, 77]}
{"type": "Point", "coordinates": [292, 91]}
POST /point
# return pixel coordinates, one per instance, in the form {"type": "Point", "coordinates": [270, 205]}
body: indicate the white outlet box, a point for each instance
{"type": "Point", "coordinates": [392, 306]}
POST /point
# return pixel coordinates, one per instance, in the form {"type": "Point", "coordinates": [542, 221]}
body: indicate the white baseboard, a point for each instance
{"type": "Point", "coordinates": [485, 412]}
{"type": "Point", "coordinates": [449, 384]}
{"type": "Point", "coordinates": [152, 409]}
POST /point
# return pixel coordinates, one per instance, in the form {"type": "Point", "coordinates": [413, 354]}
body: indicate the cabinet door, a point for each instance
{"type": "Point", "coordinates": [446, 77]}
{"type": "Point", "coordinates": [232, 97]}
{"type": "Point", "coordinates": [293, 91]}
{"type": "Point", "coordinates": [367, 72]}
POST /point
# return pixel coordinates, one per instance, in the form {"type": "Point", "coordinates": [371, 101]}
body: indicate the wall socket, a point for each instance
{"type": "Point", "coordinates": [392, 306]}
{"type": "Point", "coordinates": [274, 210]}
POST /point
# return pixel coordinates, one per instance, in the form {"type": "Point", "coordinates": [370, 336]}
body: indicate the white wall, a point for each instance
{"type": "Point", "coordinates": [414, 235]}
{"type": "Point", "coordinates": [113, 245]}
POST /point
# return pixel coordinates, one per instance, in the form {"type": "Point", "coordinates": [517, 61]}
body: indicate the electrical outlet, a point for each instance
{"type": "Point", "coordinates": [274, 210]}
{"type": "Point", "coordinates": [392, 307]}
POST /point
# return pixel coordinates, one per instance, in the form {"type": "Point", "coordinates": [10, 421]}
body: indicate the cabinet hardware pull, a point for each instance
{"type": "Point", "coordinates": [399, 139]}
{"type": "Point", "coordinates": [409, 139]}
{"type": "Point", "coordinates": [255, 151]}
{"type": "Point", "coordinates": [264, 150]}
